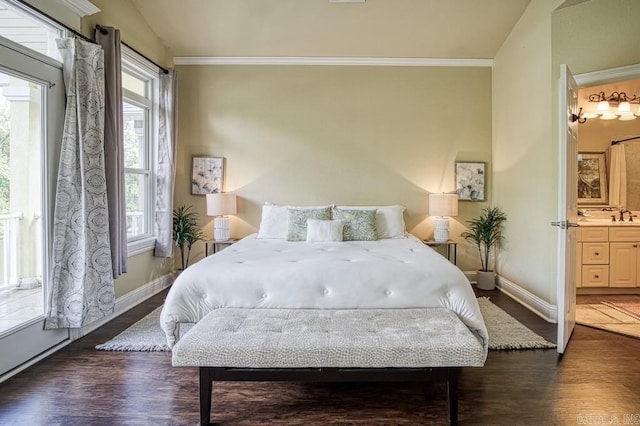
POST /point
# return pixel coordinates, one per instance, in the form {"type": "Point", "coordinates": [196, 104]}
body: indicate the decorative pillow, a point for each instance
{"type": "Point", "coordinates": [324, 230]}
{"type": "Point", "coordinates": [359, 225]}
{"type": "Point", "coordinates": [274, 221]}
{"type": "Point", "coordinates": [389, 220]}
{"type": "Point", "coordinates": [297, 222]}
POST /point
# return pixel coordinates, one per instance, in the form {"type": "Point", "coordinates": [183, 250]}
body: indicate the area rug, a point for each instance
{"type": "Point", "coordinates": [629, 308]}
{"type": "Point", "coordinates": [605, 316]}
{"type": "Point", "coordinates": [505, 332]}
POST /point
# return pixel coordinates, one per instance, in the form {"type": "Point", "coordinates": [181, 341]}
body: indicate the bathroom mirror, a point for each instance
{"type": "Point", "coordinates": [623, 159]}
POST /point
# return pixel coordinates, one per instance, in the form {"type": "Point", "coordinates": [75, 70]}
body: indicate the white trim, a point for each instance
{"type": "Point", "coordinates": [9, 374]}
{"type": "Point", "coordinates": [608, 76]}
{"type": "Point", "coordinates": [339, 61]}
{"type": "Point", "coordinates": [545, 310]}
{"type": "Point", "coordinates": [81, 8]}
{"type": "Point", "coordinates": [126, 302]}
{"type": "Point", "coordinates": [137, 62]}
{"type": "Point", "coordinates": [140, 246]}
{"type": "Point", "coordinates": [41, 57]}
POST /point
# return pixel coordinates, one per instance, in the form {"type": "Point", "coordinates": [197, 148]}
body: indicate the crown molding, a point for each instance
{"type": "Point", "coordinates": [611, 75]}
{"type": "Point", "coordinates": [81, 8]}
{"type": "Point", "coordinates": [332, 61]}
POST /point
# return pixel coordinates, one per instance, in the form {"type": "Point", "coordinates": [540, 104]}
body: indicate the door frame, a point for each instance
{"type": "Point", "coordinates": [29, 342]}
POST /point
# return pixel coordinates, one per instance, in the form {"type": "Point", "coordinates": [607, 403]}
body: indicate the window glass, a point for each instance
{"type": "Point", "coordinates": [21, 27]}
{"type": "Point", "coordinates": [136, 194]}
{"type": "Point", "coordinates": [135, 135]}
{"type": "Point", "coordinates": [134, 84]}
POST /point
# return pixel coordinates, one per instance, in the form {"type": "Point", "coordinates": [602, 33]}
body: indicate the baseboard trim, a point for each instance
{"type": "Point", "coordinates": [543, 309]}
{"type": "Point", "coordinates": [126, 302]}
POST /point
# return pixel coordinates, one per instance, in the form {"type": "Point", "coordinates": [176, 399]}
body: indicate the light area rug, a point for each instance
{"type": "Point", "coordinates": [609, 318]}
{"type": "Point", "coordinates": [505, 332]}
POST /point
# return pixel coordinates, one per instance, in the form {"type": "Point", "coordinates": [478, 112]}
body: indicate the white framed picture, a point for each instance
{"type": "Point", "coordinates": [207, 174]}
{"type": "Point", "coordinates": [470, 180]}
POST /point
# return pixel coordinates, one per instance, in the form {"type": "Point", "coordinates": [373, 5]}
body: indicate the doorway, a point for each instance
{"type": "Point", "coordinates": [31, 118]}
{"type": "Point", "coordinates": [608, 253]}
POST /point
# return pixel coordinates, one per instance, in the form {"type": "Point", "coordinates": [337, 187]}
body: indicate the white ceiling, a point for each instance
{"type": "Point", "coordinates": [295, 28]}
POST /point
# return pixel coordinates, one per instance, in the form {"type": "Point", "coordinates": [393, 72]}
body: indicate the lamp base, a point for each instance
{"type": "Point", "coordinates": [222, 228]}
{"type": "Point", "coordinates": [441, 230]}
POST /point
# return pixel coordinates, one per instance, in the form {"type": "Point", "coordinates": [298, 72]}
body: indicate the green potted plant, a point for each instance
{"type": "Point", "coordinates": [185, 232]}
{"type": "Point", "coordinates": [485, 232]}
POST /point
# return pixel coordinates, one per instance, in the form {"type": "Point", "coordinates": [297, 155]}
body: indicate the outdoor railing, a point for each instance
{"type": "Point", "coordinates": [10, 228]}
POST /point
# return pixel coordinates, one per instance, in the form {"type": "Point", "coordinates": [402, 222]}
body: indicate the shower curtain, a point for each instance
{"type": "Point", "coordinates": [618, 176]}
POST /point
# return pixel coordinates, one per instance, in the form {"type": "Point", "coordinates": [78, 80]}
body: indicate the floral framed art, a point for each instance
{"type": "Point", "coordinates": [206, 176]}
{"type": "Point", "coordinates": [470, 180]}
{"type": "Point", "coordinates": [592, 178]}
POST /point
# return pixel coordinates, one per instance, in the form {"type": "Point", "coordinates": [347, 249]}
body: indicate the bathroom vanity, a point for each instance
{"type": "Point", "coordinates": [608, 255]}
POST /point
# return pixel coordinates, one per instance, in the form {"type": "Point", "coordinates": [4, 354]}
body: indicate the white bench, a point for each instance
{"type": "Point", "coordinates": [327, 346]}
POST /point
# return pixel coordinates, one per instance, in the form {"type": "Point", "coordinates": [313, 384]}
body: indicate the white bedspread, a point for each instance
{"type": "Point", "coordinates": [260, 273]}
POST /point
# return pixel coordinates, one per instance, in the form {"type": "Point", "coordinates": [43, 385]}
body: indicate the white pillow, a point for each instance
{"type": "Point", "coordinates": [274, 220]}
{"type": "Point", "coordinates": [389, 220]}
{"type": "Point", "coordinates": [324, 230]}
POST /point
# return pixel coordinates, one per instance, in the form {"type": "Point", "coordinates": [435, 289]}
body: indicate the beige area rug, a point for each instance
{"type": "Point", "coordinates": [505, 332]}
{"type": "Point", "coordinates": [608, 318]}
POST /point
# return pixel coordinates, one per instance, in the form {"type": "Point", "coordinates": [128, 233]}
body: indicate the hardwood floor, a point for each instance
{"type": "Point", "coordinates": [598, 378]}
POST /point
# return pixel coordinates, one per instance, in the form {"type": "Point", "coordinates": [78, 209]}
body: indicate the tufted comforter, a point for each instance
{"type": "Point", "coordinates": [262, 273]}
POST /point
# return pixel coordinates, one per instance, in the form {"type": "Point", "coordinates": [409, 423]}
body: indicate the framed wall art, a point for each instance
{"type": "Point", "coordinates": [592, 178]}
{"type": "Point", "coordinates": [206, 176]}
{"type": "Point", "coordinates": [470, 180]}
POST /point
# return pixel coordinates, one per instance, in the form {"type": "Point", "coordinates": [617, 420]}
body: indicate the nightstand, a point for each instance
{"type": "Point", "coordinates": [449, 244]}
{"type": "Point", "coordinates": [216, 246]}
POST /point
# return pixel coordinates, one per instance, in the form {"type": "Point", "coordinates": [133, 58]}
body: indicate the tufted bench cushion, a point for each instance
{"type": "Point", "coordinates": [305, 338]}
{"type": "Point", "coordinates": [329, 345]}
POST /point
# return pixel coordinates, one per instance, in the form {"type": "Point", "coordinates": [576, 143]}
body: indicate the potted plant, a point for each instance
{"type": "Point", "coordinates": [485, 232]}
{"type": "Point", "coordinates": [185, 232]}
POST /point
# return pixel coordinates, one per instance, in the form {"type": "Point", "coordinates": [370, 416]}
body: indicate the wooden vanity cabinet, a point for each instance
{"type": "Point", "coordinates": [608, 257]}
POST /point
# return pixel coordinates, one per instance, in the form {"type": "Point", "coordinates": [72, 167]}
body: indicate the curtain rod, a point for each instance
{"type": "Point", "coordinates": [104, 30]}
{"type": "Point", "coordinates": [84, 37]}
{"type": "Point", "coordinates": [624, 140]}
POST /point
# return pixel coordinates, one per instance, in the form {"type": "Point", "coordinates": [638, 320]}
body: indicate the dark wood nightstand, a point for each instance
{"type": "Point", "coordinates": [216, 246]}
{"type": "Point", "coordinates": [449, 244]}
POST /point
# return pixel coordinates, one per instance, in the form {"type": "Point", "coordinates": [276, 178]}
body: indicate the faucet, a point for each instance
{"type": "Point", "coordinates": [622, 212]}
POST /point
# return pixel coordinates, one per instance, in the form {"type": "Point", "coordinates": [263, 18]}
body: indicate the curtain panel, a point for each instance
{"type": "Point", "coordinates": [109, 39]}
{"type": "Point", "coordinates": [166, 169]}
{"type": "Point", "coordinates": [81, 278]}
{"type": "Point", "coordinates": [618, 176]}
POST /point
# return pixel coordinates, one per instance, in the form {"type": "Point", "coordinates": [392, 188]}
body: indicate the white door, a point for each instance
{"type": "Point", "coordinates": [31, 117]}
{"type": "Point", "coordinates": [567, 208]}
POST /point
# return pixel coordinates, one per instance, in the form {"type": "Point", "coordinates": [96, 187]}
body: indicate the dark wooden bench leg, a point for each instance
{"type": "Point", "coordinates": [205, 396]}
{"type": "Point", "coordinates": [452, 395]}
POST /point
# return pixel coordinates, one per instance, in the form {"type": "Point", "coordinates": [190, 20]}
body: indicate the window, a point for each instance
{"type": "Point", "coordinates": [24, 26]}
{"type": "Point", "coordinates": [139, 93]}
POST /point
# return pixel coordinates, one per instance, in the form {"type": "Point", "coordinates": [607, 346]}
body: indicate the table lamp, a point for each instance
{"type": "Point", "coordinates": [220, 205]}
{"type": "Point", "coordinates": [442, 206]}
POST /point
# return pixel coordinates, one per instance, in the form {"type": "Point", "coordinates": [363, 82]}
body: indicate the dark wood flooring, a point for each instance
{"type": "Point", "coordinates": [598, 378]}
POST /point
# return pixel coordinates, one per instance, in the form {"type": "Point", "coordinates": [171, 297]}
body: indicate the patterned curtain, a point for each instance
{"type": "Point", "coordinates": [166, 170]}
{"type": "Point", "coordinates": [82, 283]}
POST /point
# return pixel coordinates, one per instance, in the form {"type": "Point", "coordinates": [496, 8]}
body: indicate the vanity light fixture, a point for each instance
{"type": "Point", "coordinates": [604, 110]}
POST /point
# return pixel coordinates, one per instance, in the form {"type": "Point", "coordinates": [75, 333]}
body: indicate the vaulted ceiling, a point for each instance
{"type": "Point", "coordinates": [307, 28]}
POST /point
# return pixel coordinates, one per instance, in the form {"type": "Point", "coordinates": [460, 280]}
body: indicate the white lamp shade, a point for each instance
{"type": "Point", "coordinates": [443, 205]}
{"type": "Point", "coordinates": [624, 108]}
{"type": "Point", "coordinates": [221, 204]}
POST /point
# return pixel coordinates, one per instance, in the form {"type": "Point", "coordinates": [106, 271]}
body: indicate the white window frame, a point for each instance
{"type": "Point", "coordinates": [136, 65]}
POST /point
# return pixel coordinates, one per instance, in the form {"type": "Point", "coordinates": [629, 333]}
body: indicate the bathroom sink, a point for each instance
{"type": "Point", "coordinates": [597, 221]}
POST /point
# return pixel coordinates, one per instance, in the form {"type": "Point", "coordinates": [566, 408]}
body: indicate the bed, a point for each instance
{"type": "Point", "coordinates": [391, 273]}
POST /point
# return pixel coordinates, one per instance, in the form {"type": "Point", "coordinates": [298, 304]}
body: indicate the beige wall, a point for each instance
{"type": "Point", "coordinates": [524, 158]}
{"type": "Point", "coordinates": [525, 137]}
{"type": "Point", "coordinates": [346, 135]}
{"type": "Point", "coordinates": [134, 30]}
